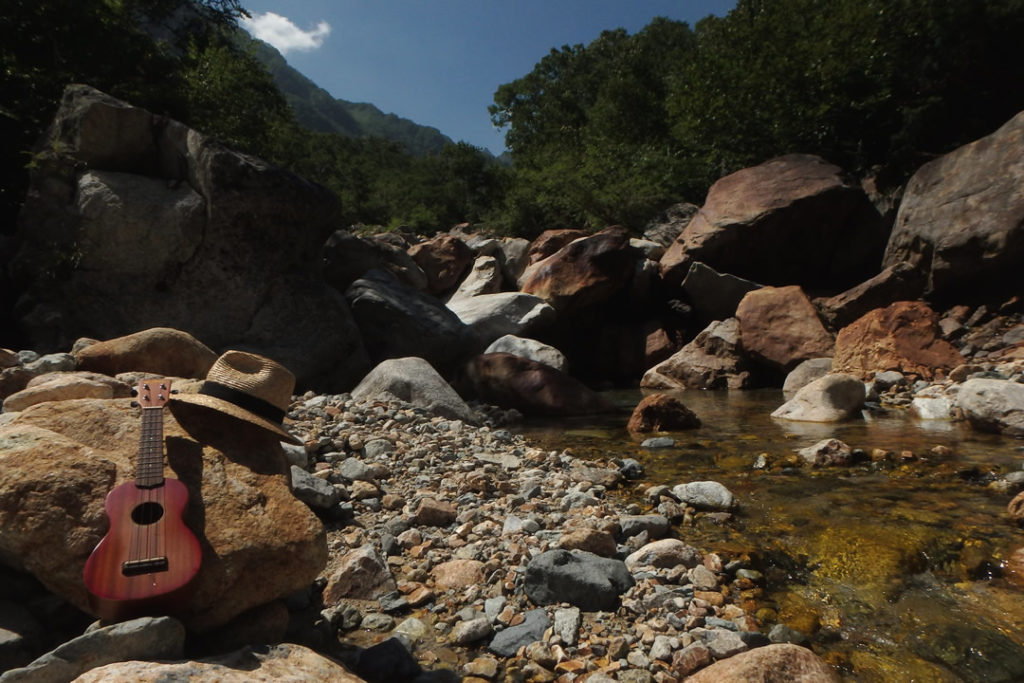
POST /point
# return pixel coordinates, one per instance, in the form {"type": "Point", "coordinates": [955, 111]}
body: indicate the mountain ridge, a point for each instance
{"type": "Point", "coordinates": [317, 110]}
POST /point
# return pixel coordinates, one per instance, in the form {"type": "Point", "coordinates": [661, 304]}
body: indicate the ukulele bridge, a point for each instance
{"type": "Point", "coordinates": [150, 565]}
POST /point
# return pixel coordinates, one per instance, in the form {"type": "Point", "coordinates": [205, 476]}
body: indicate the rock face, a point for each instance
{"type": "Point", "coordinates": [903, 336]}
{"type": "Point", "coordinates": [777, 663]}
{"type": "Point", "coordinates": [830, 398]}
{"type": "Point", "coordinates": [661, 413]}
{"type": "Point", "coordinates": [713, 360]}
{"type": "Point", "coordinates": [531, 387]}
{"type": "Point", "coordinates": [779, 327]}
{"type": "Point", "coordinates": [791, 220]}
{"type": "Point", "coordinates": [398, 321]}
{"type": "Point", "coordinates": [993, 405]}
{"type": "Point", "coordinates": [182, 233]}
{"type": "Point", "coordinates": [59, 461]}
{"type": "Point", "coordinates": [584, 272]}
{"type": "Point", "coordinates": [940, 230]}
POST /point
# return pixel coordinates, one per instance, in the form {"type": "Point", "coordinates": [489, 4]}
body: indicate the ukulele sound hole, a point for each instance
{"type": "Point", "coordinates": [147, 513]}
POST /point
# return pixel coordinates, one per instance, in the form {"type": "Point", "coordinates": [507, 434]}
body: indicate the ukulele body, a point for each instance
{"type": "Point", "coordinates": [147, 561]}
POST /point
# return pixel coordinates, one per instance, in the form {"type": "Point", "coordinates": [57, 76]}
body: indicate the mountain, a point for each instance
{"type": "Point", "coordinates": [317, 110]}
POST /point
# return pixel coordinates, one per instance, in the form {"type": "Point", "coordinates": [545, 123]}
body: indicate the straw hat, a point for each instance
{"type": "Point", "coordinates": [249, 387]}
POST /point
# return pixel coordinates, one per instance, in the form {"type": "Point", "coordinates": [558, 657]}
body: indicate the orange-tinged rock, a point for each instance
{"type": "Point", "coordinates": [903, 336]}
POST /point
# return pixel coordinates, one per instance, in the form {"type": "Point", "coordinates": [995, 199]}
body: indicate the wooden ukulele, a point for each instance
{"type": "Point", "coordinates": [147, 561]}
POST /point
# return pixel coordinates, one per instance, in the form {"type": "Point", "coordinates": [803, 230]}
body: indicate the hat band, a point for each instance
{"type": "Point", "coordinates": [243, 400]}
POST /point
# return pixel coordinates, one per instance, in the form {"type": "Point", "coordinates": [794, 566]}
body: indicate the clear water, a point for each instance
{"type": "Point", "coordinates": [896, 569]}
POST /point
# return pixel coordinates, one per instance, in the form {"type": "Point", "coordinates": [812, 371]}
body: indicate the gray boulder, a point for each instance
{"type": "Point", "coordinates": [583, 579]}
{"type": "Point", "coordinates": [484, 277]}
{"type": "Point", "coordinates": [134, 208]}
{"type": "Point", "coordinates": [414, 381]}
{"type": "Point", "coordinates": [714, 295]}
{"type": "Point", "coordinates": [531, 349]}
{"type": "Point", "coordinates": [491, 316]}
{"type": "Point", "coordinates": [397, 322]}
{"type": "Point", "coordinates": [704, 495]}
{"type": "Point", "coordinates": [805, 373]}
{"type": "Point", "coordinates": [319, 494]}
{"type": "Point", "coordinates": [831, 398]}
{"type": "Point", "coordinates": [961, 219]}
{"type": "Point", "coordinates": [143, 638]}
{"type": "Point", "coordinates": [993, 405]}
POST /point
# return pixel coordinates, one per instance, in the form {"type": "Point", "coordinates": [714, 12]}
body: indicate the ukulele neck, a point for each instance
{"type": "Point", "coordinates": [149, 469]}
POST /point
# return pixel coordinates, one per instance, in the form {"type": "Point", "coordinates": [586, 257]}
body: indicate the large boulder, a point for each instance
{"type": "Point", "coordinates": [550, 241]}
{"type": "Point", "coordinates": [831, 398]}
{"type": "Point", "coordinates": [531, 349]}
{"type": "Point", "coordinates": [792, 220]}
{"type": "Point", "coordinates": [60, 460]}
{"type": "Point", "coordinates": [776, 663]}
{"type": "Point", "coordinates": [491, 316]}
{"type": "Point", "coordinates": [160, 351]}
{"type": "Point", "coordinates": [993, 405]}
{"type": "Point", "coordinates": [284, 661]}
{"type": "Point", "coordinates": [134, 221]}
{"type": "Point", "coordinates": [398, 321]}
{"type": "Point", "coordinates": [347, 257]}
{"type": "Point", "coordinates": [961, 220]}
{"type": "Point", "coordinates": [780, 327]}
{"type": "Point", "coordinates": [444, 259]}
{"type": "Point", "coordinates": [898, 282]}
{"type": "Point", "coordinates": [713, 360]}
{"type": "Point", "coordinates": [483, 278]}
{"type": "Point", "coordinates": [414, 381]}
{"type": "Point", "coordinates": [533, 388]}
{"type": "Point", "coordinates": [903, 336]}
{"type": "Point", "coordinates": [585, 272]}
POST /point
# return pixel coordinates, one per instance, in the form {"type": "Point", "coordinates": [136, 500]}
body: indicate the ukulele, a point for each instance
{"type": "Point", "coordinates": [147, 561]}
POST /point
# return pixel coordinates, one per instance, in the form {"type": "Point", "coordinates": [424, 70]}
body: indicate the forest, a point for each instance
{"type": "Point", "coordinates": [607, 133]}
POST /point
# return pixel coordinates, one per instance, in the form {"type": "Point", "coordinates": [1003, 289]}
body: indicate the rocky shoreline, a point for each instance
{"type": "Point", "coordinates": [456, 549]}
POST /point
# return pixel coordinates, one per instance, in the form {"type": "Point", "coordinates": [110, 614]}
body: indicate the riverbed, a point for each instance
{"type": "Point", "coordinates": [894, 567]}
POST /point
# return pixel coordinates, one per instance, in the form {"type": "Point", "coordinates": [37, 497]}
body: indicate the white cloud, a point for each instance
{"type": "Point", "coordinates": [283, 34]}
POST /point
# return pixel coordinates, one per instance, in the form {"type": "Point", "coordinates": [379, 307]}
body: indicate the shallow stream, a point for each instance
{"type": "Point", "coordinates": [895, 569]}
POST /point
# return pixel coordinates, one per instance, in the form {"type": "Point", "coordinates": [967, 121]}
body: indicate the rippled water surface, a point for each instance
{"type": "Point", "coordinates": [896, 569]}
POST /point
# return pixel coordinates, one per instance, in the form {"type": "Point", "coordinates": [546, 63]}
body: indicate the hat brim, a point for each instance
{"type": "Point", "coordinates": [222, 406]}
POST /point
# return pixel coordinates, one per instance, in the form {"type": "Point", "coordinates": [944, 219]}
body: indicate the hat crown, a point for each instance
{"type": "Point", "coordinates": [254, 375]}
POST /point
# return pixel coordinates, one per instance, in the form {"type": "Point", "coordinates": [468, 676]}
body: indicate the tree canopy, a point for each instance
{"type": "Point", "coordinates": [614, 130]}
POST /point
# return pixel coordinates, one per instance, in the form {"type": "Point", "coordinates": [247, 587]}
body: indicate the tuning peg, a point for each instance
{"type": "Point", "coordinates": [174, 392]}
{"type": "Point", "coordinates": [135, 392]}
{"type": "Point", "coordinates": [135, 404]}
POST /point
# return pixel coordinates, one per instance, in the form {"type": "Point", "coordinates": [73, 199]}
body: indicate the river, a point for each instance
{"type": "Point", "coordinates": [893, 568]}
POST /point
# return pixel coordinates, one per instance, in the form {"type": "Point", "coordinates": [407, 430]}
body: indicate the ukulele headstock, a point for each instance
{"type": "Point", "coordinates": [153, 393]}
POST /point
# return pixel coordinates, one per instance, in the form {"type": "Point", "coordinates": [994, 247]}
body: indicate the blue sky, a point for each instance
{"type": "Point", "coordinates": [438, 62]}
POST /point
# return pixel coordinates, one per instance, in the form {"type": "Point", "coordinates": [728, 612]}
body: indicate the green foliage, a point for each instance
{"type": "Point", "coordinates": [614, 130]}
